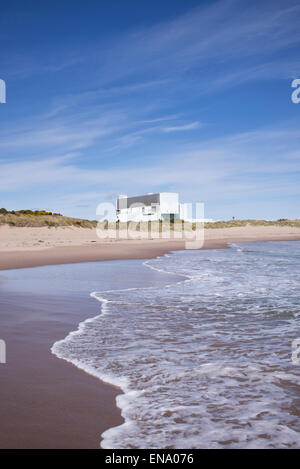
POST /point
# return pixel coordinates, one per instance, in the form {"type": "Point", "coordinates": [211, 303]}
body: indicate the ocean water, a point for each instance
{"type": "Point", "coordinates": [204, 361]}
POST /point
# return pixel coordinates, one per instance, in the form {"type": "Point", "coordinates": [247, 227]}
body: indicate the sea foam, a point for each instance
{"type": "Point", "coordinates": [204, 362]}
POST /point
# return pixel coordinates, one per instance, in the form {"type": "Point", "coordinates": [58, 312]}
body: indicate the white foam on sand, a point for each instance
{"type": "Point", "coordinates": [204, 362]}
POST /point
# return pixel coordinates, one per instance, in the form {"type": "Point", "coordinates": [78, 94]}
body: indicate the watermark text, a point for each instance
{"type": "Point", "coordinates": [2, 91]}
{"type": "Point", "coordinates": [296, 351]}
{"type": "Point", "coordinates": [295, 97]}
{"type": "Point", "coordinates": [2, 351]}
{"type": "Point", "coordinates": [145, 225]}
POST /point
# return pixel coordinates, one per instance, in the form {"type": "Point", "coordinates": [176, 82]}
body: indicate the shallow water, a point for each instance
{"type": "Point", "coordinates": [205, 361]}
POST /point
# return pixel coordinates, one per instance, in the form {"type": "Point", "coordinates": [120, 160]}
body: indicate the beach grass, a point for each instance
{"type": "Point", "coordinates": [34, 219]}
{"type": "Point", "coordinates": [251, 222]}
{"type": "Point", "coordinates": [177, 225]}
{"type": "Point", "coordinates": [39, 218]}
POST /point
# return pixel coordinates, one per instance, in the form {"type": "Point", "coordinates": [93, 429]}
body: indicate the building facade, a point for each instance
{"type": "Point", "coordinates": [149, 207]}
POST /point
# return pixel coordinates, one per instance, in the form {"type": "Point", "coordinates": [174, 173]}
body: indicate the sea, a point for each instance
{"type": "Point", "coordinates": [206, 358]}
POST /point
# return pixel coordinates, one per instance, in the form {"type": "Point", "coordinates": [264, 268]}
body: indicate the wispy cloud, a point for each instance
{"type": "Point", "coordinates": [213, 160]}
{"type": "Point", "coordinates": [182, 128]}
{"type": "Point", "coordinates": [63, 133]}
{"type": "Point", "coordinates": [126, 109]}
{"type": "Point", "coordinates": [234, 34]}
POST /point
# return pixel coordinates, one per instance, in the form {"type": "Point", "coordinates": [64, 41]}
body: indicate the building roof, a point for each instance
{"type": "Point", "coordinates": [146, 200]}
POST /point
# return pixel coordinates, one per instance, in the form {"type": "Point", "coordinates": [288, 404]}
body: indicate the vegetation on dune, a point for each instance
{"type": "Point", "coordinates": [176, 225]}
{"type": "Point", "coordinates": [36, 218]}
{"type": "Point", "coordinates": [240, 223]}
{"type": "Point", "coordinates": [3, 211]}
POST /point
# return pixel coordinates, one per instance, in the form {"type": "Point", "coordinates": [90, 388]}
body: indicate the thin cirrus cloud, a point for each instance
{"type": "Point", "coordinates": [67, 132]}
{"type": "Point", "coordinates": [182, 128]}
{"type": "Point", "coordinates": [233, 34]}
{"type": "Point", "coordinates": [228, 32]}
{"type": "Point", "coordinates": [208, 162]}
{"type": "Point", "coordinates": [221, 170]}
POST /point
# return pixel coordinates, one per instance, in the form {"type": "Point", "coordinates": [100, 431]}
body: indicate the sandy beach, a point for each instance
{"type": "Point", "coordinates": [46, 402]}
{"type": "Point", "coordinates": [31, 247]}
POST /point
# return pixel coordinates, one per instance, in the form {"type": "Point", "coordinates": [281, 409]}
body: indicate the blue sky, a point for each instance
{"type": "Point", "coordinates": [109, 97]}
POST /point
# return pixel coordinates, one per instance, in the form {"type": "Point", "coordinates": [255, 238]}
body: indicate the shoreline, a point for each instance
{"type": "Point", "coordinates": [33, 247]}
{"type": "Point", "coordinates": [107, 435]}
{"type": "Point", "coordinates": [48, 402]}
{"type": "Point", "coordinates": [102, 252]}
{"type": "Point", "coordinates": [33, 360]}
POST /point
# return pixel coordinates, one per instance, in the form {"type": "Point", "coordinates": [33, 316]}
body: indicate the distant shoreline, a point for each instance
{"type": "Point", "coordinates": [33, 247]}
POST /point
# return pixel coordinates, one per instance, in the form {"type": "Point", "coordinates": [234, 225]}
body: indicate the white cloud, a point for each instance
{"type": "Point", "coordinates": [182, 128]}
{"type": "Point", "coordinates": [242, 157]}
{"type": "Point", "coordinates": [235, 35]}
{"type": "Point", "coordinates": [223, 44]}
{"type": "Point", "coordinates": [69, 133]}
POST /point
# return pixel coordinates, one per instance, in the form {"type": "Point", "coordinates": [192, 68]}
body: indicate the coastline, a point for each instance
{"type": "Point", "coordinates": [103, 252]}
{"type": "Point", "coordinates": [33, 247]}
{"type": "Point", "coordinates": [47, 402]}
{"type": "Point", "coordinates": [79, 354]}
{"type": "Point", "coordinates": [84, 406]}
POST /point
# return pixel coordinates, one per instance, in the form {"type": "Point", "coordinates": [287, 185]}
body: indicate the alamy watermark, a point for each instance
{"type": "Point", "coordinates": [190, 231]}
{"type": "Point", "coordinates": [2, 91]}
{"type": "Point", "coordinates": [295, 97]}
{"type": "Point", "coordinates": [296, 351]}
{"type": "Point", "coordinates": [2, 351]}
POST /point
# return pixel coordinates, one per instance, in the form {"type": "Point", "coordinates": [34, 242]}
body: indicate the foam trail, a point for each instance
{"type": "Point", "coordinates": [203, 362]}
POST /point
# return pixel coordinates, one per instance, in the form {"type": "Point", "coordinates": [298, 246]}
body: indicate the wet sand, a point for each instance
{"type": "Point", "coordinates": [101, 252]}
{"type": "Point", "coordinates": [46, 402]}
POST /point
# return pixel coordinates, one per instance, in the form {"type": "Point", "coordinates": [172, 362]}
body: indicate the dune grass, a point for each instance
{"type": "Point", "coordinates": [177, 224]}
{"type": "Point", "coordinates": [240, 223]}
{"type": "Point", "coordinates": [40, 218]}
{"type": "Point", "coordinates": [21, 219]}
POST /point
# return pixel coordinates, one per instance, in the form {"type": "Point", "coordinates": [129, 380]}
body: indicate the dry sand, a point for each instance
{"type": "Point", "coordinates": [30, 247]}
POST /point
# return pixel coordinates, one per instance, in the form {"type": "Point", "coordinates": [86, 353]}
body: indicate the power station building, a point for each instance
{"type": "Point", "coordinates": [149, 207]}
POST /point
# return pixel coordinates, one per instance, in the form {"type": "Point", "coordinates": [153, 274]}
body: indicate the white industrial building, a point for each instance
{"type": "Point", "coordinates": [149, 207]}
{"type": "Point", "coordinates": [153, 207]}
